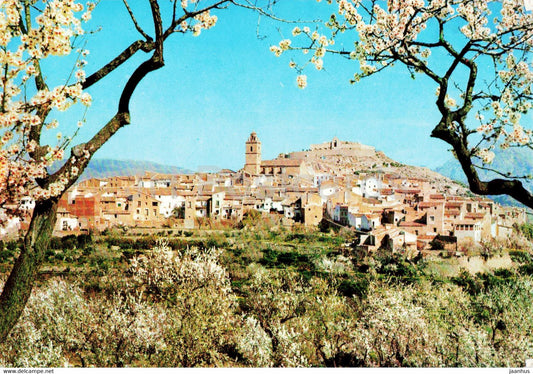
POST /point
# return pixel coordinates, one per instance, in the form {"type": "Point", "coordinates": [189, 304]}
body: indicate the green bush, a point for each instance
{"type": "Point", "coordinates": [69, 242]}
{"type": "Point", "coordinates": [520, 256]}
{"type": "Point", "coordinates": [14, 245]}
{"type": "Point", "coordinates": [470, 284]}
{"type": "Point", "coordinates": [270, 257]}
{"type": "Point", "coordinates": [6, 256]}
{"type": "Point", "coordinates": [296, 236]}
{"type": "Point", "coordinates": [526, 269]}
{"type": "Point", "coordinates": [527, 230]}
{"type": "Point", "coordinates": [437, 245]}
{"type": "Point", "coordinates": [351, 287]}
{"type": "Point", "coordinates": [84, 240]}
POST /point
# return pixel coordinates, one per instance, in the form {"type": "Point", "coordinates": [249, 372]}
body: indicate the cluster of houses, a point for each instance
{"type": "Point", "coordinates": [299, 188]}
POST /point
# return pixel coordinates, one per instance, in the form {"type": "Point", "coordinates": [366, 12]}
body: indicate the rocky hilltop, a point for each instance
{"type": "Point", "coordinates": [343, 158]}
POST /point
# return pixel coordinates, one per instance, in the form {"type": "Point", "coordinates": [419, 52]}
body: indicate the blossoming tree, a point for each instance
{"type": "Point", "coordinates": [32, 31]}
{"type": "Point", "coordinates": [476, 52]}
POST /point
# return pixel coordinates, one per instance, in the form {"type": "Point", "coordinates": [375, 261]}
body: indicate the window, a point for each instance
{"type": "Point", "coordinates": [139, 203]}
{"type": "Point", "coordinates": [432, 218]}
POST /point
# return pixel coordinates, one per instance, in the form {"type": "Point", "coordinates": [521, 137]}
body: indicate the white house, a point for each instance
{"type": "Point", "coordinates": [364, 222]}
{"type": "Point", "coordinates": [371, 187]}
{"type": "Point", "coordinates": [167, 203]}
{"type": "Point", "coordinates": [66, 222]}
{"type": "Point", "coordinates": [327, 189]}
{"type": "Point", "coordinates": [217, 204]}
{"type": "Point", "coordinates": [468, 229]}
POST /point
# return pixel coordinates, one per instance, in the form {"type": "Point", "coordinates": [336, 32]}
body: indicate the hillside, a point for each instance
{"type": "Point", "coordinates": [103, 168]}
{"type": "Point", "coordinates": [352, 161]}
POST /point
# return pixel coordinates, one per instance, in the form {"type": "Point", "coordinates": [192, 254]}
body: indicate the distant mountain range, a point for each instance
{"type": "Point", "coordinates": [517, 161]}
{"type": "Point", "coordinates": [104, 168]}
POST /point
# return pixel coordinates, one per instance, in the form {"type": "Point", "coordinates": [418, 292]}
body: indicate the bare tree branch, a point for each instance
{"type": "Point", "coordinates": [117, 61]}
{"type": "Point", "coordinates": [141, 31]}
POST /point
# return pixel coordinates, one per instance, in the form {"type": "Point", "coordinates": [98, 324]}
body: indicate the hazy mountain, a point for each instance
{"type": "Point", "coordinates": [517, 161]}
{"type": "Point", "coordinates": [103, 168]}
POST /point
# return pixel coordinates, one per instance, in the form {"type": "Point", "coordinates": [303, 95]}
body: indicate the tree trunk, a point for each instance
{"type": "Point", "coordinates": [19, 284]}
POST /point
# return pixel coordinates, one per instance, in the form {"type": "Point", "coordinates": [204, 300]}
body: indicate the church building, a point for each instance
{"type": "Point", "coordinates": [277, 166]}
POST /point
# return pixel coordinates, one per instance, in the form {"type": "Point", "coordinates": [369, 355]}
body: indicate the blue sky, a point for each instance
{"type": "Point", "coordinates": [217, 88]}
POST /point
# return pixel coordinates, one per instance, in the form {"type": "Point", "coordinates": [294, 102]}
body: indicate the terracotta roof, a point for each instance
{"type": "Point", "coordinates": [453, 205]}
{"type": "Point", "coordinates": [162, 191]}
{"type": "Point", "coordinates": [387, 191]}
{"type": "Point", "coordinates": [427, 204]}
{"type": "Point", "coordinates": [116, 211]}
{"type": "Point", "coordinates": [411, 224]}
{"type": "Point", "coordinates": [475, 216]}
{"type": "Point", "coordinates": [452, 212]}
{"type": "Point", "coordinates": [408, 191]}
{"type": "Point", "coordinates": [233, 197]}
{"type": "Point", "coordinates": [186, 193]}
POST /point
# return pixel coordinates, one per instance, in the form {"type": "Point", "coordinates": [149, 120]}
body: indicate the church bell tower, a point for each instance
{"type": "Point", "coordinates": [253, 155]}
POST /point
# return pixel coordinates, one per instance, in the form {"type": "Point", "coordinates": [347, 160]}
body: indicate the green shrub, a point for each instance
{"type": "Point", "coordinates": [69, 242]}
{"type": "Point", "coordinates": [6, 256]}
{"type": "Point", "coordinates": [296, 236]}
{"type": "Point", "coordinates": [504, 273]}
{"type": "Point", "coordinates": [14, 245]}
{"type": "Point", "coordinates": [351, 287]}
{"type": "Point", "coordinates": [84, 240]}
{"type": "Point", "coordinates": [469, 283]}
{"type": "Point", "coordinates": [520, 256]}
{"type": "Point", "coordinates": [527, 230]}
{"type": "Point", "coordinates": [270, 257]}
{"type": "Point", "coordinates": [526, 269]}
{"type": "Point", "coordinates": [437, 245]}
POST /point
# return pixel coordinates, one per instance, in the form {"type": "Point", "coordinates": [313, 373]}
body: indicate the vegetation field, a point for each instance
{"type": "Point", "coordinates": [264, 295]}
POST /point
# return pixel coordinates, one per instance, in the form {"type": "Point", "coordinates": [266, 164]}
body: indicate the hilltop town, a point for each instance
{"type": "Point", "coordinates": [337, 183]}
